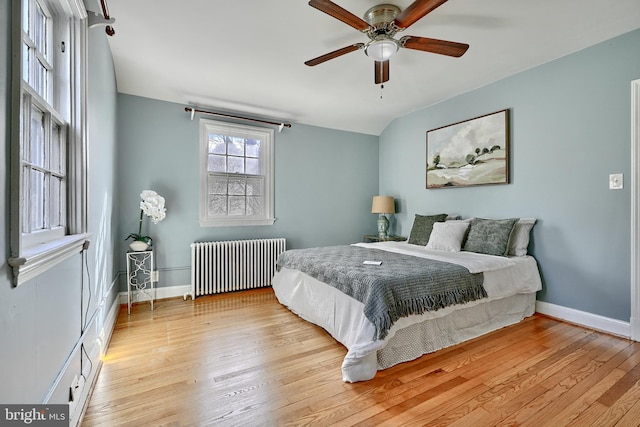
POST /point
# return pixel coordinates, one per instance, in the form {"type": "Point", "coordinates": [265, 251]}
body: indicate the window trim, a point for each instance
{"type": "Point", "coordinates": [267, 160]}
{"type": "Point", "coordinates": [28, 262]}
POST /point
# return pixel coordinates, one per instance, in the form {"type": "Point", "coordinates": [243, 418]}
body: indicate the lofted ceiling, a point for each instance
{"type": "Point", "coordinates": [247, 56]}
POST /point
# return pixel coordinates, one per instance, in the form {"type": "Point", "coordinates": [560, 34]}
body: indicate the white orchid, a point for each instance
{"type": "Point", "coordinates": [152, 205]}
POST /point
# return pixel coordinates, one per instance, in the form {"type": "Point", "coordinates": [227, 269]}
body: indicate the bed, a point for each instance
{"type": "Point", "coordinates": [316, 284]}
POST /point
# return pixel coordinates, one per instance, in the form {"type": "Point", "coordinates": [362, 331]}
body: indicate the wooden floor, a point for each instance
{"type": "Point", "coordinates": [242, 359]}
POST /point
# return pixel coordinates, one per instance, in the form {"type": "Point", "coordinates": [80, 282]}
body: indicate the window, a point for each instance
{"type": "Point", "coordinates": [48, 144]}
{"type": "Point", "coordinates": [236, 174]}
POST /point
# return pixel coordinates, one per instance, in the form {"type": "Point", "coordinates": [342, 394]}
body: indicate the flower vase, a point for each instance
{"type": "Point", "coordinates": [138, 245]}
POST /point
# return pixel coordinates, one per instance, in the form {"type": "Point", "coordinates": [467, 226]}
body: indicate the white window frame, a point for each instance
{"type": "Point", "coordinates": [64, 103]}
{"type": "Point", "coordinates": [266, 135]}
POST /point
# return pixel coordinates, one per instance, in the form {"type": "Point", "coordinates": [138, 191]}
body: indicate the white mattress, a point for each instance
{"type": "Point", "coordinates": [343, 317]}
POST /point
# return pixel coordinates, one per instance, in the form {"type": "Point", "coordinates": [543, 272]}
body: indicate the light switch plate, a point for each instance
{"type": "Point", "coordinates": [615, 181]}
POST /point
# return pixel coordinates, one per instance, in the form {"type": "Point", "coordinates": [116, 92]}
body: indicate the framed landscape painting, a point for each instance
{"type": "Point", "coordinates": [472, 152]}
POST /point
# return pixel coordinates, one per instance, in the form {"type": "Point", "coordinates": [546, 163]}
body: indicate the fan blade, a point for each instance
{"type": "Point", "coordinates": [381, 71]}
{"type": "Point", "coordinates": [334, 54]}
{"type": "Point", "coordinates": [337, 12]}
{"type": "Point", "coordinates": [415, 11]}
{"type": "Point", "coordinates": [442, 47]}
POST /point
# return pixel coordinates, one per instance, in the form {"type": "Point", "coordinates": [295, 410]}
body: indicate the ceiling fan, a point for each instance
{"type": "Point", "coordinates": [380, 24]}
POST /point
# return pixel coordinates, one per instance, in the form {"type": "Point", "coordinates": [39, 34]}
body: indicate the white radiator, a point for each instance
{"type": "Point", "coordinates": [233, 265]}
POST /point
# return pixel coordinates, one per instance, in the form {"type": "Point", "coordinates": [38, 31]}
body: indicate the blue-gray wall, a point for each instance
{"type": "Point", "coordinates": [324, 183]}
{"type": "Point", "coordinates": [570, 129]}
{"type": "Point", "coordinates": [44, 322]}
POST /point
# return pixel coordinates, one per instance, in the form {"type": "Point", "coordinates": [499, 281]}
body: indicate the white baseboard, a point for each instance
{"type": "Point", "coordinates": [164, 292]}
{"type": "Point", "coordinates": [589, 320]}
{"type": "Point", "coordinates": [77, 409]}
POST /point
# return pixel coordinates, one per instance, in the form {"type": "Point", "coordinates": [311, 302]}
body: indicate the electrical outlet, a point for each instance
{"type": "Point", "coordinates": [615, 181]}
{"type": "Point", "coordinates": [154, 276]}
{"type": "Point", "coordinates": [73, 390]}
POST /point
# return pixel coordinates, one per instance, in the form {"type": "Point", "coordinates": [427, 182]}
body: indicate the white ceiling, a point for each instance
{"type": "Point", "coordinates": [247, 56]}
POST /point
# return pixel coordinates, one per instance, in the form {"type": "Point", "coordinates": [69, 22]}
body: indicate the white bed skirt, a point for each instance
{"type": "Point", "coordinates": [409, 338]}
{"type": "Point", "coordinates": [458, 326]}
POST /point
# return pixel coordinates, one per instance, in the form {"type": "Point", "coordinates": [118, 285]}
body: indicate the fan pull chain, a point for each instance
{"type": "Point", "coordinates": [381, 87]}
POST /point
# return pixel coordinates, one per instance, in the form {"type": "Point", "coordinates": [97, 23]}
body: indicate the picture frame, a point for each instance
{"type": "Point", "coordinates": [469, 153]}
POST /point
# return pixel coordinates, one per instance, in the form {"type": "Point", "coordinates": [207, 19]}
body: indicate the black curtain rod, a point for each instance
{"type": "Point", "coordinates": [195, 110]}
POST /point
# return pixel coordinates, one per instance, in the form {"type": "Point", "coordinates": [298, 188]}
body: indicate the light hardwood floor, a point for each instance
{"type": "Point", "coordinates": [242, 359]}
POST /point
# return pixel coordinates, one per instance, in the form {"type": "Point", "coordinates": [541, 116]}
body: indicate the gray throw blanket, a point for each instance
{"type": "Point", "coordinates": [402, 285]}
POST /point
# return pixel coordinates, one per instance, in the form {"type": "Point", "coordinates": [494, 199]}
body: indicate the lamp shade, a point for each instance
{"type": "Point", "coordinates": [383, 205]}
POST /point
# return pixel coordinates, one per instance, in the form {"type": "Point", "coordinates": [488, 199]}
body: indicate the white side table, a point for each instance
{"type": "Point", "coordinates": [140, 277]}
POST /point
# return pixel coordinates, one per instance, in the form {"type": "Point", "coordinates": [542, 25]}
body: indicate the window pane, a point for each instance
{"type": "Point", "coordinates": [56, 198]}
{"type": "Point", "coordinates": [253, 148]}
{"type": "Point", "coordinates": [217, 163]}
{"type": "Point", "coordinates": [237, 205]}
{"type": "Point", "coordinates": [237, 186]}
{"type": "Point", "coordinates": [62, 203]}
{"type": "Point", "coordinates": [236, 146]}
{"type": "Point", "coordinates": [255, 186]}
{"type": "Point", "coordinates": [25, 16]}
{"type": "Point", "coordinates": [254, 206]}
{"type": "Point", "coordinates": [253, 166]}
{"type": "Point", "coordinates": [236, 164]}
{"type": "Point", "coordinates": [40, 30]}
{"type": "Point", "coordinates": [26, 66]}
{"type": "Point", "coordinates": [217, 184]}
{"type": "Point", "coordinates": [36, 148]}
{"type": "Point", "coordinates": [217, 144]}
{"type": "Point", "coordinates": [40, 82]}
{"type": "Point", "coordinates": [24, 200]}
{"type": "Point", "coordinates": [217, 205]}
{"type": "Point", "coordinates": [36, 200]}
{"type": "Point", "coordinates": [55, 157]}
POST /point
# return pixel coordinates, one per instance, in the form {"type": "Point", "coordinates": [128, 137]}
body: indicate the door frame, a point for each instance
{"type": "Point", "coordinates": [635, 211]}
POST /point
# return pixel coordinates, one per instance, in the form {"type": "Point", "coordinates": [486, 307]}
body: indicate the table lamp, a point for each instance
{"type": "Point", "coordinates": [383, 205]}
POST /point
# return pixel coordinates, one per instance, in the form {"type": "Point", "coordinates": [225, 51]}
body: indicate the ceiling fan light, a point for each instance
{"type": "Point", "coordinates": [381, 49]}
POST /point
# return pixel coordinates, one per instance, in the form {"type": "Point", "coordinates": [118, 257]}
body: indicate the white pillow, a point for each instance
{"type": "Point", "coordinates": [448, 235]}
{"type": "Point", "coordinates": [519, 239]}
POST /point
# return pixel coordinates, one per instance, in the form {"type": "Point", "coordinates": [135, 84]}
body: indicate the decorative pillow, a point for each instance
{"type": "Point", "coordinates": [489, 236]}
{"type": "Point", "coordinates": [448, 236]}
{"type": "Point", "coordinates": [422, 226]}
{"type": "Point", "coordinates": [519, 241]}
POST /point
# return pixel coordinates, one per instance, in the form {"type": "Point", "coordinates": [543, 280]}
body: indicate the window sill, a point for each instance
{"type": "Point", "coordinates": [40, 258]}
{"type": "Point", "coordinates": [236, 222]}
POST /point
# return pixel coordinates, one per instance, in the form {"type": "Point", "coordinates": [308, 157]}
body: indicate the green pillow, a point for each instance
{"type": "Point", "coordinates": [422, 226]}
{"type": "Point", "coordinates": [489, 236]}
